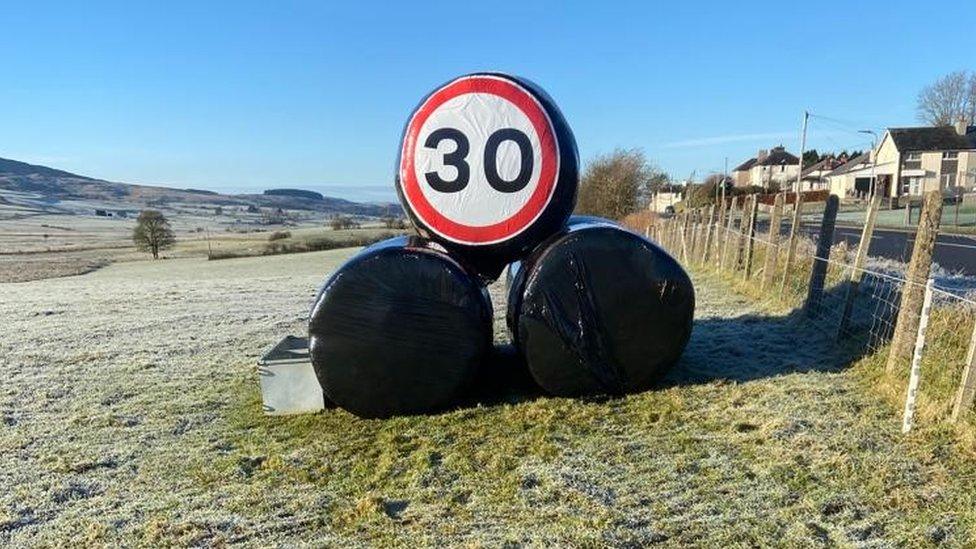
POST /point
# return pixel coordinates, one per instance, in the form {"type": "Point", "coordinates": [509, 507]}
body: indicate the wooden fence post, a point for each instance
{"type": "Point", "coordinates": [707, 244]}
{"type": "Point", "coordinates": [686, 221]}
{"type": "Point", "coordinates": [728, 234]}
{"type": "Point", "coordinates": [919, 269]}
{"type": "Point", "coordinates": [818, 274]}
{"type": "Point", "coordinates": [794, 238]}
{"type": "Point", "coordinates": [857, 270]}
{"type": "Point", "coordinates": [772, 251]}
{"type": "Point", "coordinates": [676, 234]}
{"type": "Point", "coordinates": [967, 387]}
{"type": "Point", "coordinates": [673, 236]}
{"type": "Point", "coordinates": [695, 235]}
{"type": "Point", "coordinates": [675, 227]}
{"type": "Point", "coordinates": [916, 372]}
{"type": "Point", "coordinates": [739, 237]}
{"type": "Point", "coordinates": [669, 244]}
{"type": "Point", "coordinates": [719, 233]}
{"type": "Point", "coordinates": [750, 237]}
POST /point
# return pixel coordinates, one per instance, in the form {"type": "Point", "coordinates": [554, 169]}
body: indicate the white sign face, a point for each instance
{"type": "Point", "coordinates": [479, 160]}
{"type": "Point", "coordinates": [477, 116]}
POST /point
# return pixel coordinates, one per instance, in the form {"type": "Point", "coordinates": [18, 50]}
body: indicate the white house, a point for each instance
{"type": "Point", "coordinates": [918, 159]}
{"type": "Point", "coordinates": [815, 177]}
{"type": "Point", "coordinates": [928, 158]}
{"type": "Point", "coordinates": [854, 177]}
{"type": "Point", "coordinates": [775, 165]}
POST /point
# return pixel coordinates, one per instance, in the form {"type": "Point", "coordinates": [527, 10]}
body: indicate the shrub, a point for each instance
{"type": "Point", "coordinates": [279, 235]}
{"type": "Point", "coordinates": [341, 222]}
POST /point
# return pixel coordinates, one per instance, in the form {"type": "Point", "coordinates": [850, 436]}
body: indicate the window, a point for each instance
{"type": "Point", "coordinates": [947, 180]}
{"type": "Point", "coordinates": [912, 161]}
{"type": "Point", "coordinates": [950, 155]}
{"type": "Point", "coordinates": [911, 185]}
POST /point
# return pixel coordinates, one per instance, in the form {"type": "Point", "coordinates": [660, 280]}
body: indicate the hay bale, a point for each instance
{"type": "Point", "coordinates": [401, 328]}
{"type": "Point", "coordinates": [599, 310]}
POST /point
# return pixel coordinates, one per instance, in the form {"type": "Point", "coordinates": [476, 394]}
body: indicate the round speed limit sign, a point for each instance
{"type": "Point", "coordinates": [486, 159]}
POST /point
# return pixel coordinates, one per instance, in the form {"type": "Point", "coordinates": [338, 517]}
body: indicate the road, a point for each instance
{"type": "Point", "coordinates": [955, 253]}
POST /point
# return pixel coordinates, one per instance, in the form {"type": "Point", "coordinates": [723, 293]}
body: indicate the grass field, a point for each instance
{"type": "Point", "coordinates": [36, 245]}
{"type": "Point", "coordinates": [129, 413]}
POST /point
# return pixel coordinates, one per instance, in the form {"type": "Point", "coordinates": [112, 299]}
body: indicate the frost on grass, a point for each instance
{"type": "Point", "coordinates": [129, 413]}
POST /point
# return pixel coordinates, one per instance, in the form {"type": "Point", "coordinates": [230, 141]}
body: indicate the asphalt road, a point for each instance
{"type": "Point", "coordinates": [955, 253]}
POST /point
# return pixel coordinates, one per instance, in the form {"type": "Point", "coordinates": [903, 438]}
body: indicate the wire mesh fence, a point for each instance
{"type": "Point", "coordinates": [835, 292]}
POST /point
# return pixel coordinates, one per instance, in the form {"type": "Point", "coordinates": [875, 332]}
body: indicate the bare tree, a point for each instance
{"type": "Point", "coordinates": [948, 100]}
{"type": "Point", "coordinates": [342, 222]}
{"type": "Point", "coordinates": [153, 233]}
{"type": "Point", "coordinates": [392, 222]}
{"type": "Point", "coordinates": [617, 184]}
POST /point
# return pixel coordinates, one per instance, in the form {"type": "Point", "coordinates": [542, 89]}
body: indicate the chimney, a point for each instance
{"type": "Point", "coordinates": [761, 155]}
{"type": "Point", "coordinates": [961, 126]}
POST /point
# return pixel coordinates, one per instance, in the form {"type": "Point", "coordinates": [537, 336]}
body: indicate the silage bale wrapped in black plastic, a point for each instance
{"type": "Point", "coordinates": [401, 328]}
{"type": "Point", "coordinates": [488, 168]}
{"type": "Point", "coordinates": [598, 309]}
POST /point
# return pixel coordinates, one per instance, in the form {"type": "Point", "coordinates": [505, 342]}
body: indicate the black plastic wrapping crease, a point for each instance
{"type": "Point", "coordinates": [401, 328]}
{"type": "Point", "coordinates": [598, 309]}
{"type": "Point", "coordinates": [489, 260]}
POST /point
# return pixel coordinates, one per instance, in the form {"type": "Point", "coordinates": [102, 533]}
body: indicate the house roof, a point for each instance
{"type": "Point", "coordinates": [940, 138]}
{"type": "Point", "coordinates": [778, 156]}
{"type": "Point", "coordinates": [745, 165]}
{"type": "Point", "coordinates": [854, 164]}
{"type": "Point", "coordinates": [828, 163]}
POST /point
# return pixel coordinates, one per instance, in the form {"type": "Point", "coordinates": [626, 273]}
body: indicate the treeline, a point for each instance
{"type": "Point", "coordinates": [295, 193]}
{"type": "Point", "coordinates": [624, 182]}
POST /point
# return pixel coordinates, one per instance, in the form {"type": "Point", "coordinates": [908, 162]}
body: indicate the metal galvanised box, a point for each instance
{"type": "Point", "coordinates": [288, 382]}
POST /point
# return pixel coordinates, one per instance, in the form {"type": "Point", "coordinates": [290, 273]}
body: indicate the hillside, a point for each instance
{"type": "Point", "coordinates": [50, 185]}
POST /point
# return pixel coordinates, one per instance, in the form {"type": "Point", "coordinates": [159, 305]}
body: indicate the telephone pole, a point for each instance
{"type": "Point", "coordinates": [803, 146]}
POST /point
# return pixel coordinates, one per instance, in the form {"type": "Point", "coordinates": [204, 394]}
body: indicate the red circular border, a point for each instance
{"type": "Point", "coordinates": [530, 211]}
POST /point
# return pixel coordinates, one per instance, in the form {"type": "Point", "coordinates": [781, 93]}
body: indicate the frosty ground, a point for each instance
{"type": "Point", "coordinates": [129, 412]}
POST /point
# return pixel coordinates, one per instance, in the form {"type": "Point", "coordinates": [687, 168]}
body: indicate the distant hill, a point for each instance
{"type": "Point", "coordinates": [55, 185]}
{"type": "Point", "coordinates": [13, 167]}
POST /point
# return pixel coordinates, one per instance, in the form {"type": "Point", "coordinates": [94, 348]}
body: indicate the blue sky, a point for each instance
{"type": "Point", "coordinates": [245, 96]}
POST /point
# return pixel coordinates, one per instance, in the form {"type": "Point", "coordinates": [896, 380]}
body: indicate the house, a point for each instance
{"type": "Point", "coordinates": [814, 177]}
{"type": "Point", "coordinates": [775, 165]}
{"type": "Point", "coordinates": [925, 159]}
{"type": "Point", "coordinates": [853, 178]}
{"type": "Point", "coordinates": [662, 200]}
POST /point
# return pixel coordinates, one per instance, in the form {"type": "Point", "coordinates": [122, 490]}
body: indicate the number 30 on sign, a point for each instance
{"type": "Point", "coordinates": [482, 159]}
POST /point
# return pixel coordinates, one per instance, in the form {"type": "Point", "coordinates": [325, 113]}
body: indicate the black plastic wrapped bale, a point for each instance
{"type": "Point", "coordinates": [488, 167]}
{"type": "Point", "coordinates": [599, 310]}
{"type": "Point", "coordinates": [401, 328]}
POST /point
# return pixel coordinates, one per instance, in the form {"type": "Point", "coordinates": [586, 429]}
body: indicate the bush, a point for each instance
{"type": "Point", "coordinates": [341, 222]}
{"type": "Point", "coordinates": [615, 185]}
{"type": "Point", "coordinates": [279, 235]}
{"type": "Point", "coordinates": [322, 244]}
